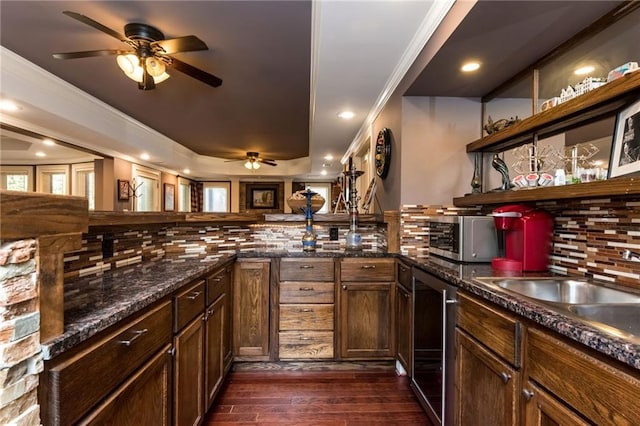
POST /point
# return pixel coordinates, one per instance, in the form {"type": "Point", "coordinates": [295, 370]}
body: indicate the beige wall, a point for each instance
{"type": "Point", "coordinates": [435, 132]}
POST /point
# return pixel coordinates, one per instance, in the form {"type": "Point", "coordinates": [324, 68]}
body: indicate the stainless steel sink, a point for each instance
{"type": "Point", "coordinates": [622, 317]}
{"type": "Point", "coordinates": [562, 290]}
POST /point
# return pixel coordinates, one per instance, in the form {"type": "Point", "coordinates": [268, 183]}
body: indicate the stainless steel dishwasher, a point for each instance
{"type": "Point", "coordinates": [434, 320]}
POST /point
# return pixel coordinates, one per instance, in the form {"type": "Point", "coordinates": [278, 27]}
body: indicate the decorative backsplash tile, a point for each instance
{"type": "Point", "coordinates": [203, 241]}
{"type": "Point", "coordinates": [588, 240]}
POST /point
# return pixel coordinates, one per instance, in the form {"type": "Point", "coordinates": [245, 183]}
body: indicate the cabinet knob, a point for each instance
{"type": "Point", "coordinates": [527, 394]}
{"type": "Point", "coordinates": [344, 287]}
{"type": "Point", "coordinates": [505, 377]}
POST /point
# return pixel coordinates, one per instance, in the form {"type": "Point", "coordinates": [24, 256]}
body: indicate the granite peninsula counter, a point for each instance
{"type": "Point", "coordinates": [93, 304]}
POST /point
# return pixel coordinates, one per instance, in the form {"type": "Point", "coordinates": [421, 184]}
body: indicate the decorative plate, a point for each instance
{"type": "Point", "coordinates": [383, 152]}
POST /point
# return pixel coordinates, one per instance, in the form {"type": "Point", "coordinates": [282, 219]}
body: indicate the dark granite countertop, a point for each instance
{"type": "Point", "coordinates": [462, 275]}
{"type": "Point", "coordinates": [92, 304]}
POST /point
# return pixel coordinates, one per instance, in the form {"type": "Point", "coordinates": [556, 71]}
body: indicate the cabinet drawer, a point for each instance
{"type": "Point", "coordinates": [80, 381]}
{"type": "Point", "coordinates": [404, 275]}
{"type": "Point", "coordinates": [188, 304]}
{"type": "Point", "coordinates": [601, 392]}
{"type": "Point", "coordinates": [498, 331]}
{"type": "Point", "coordinates": [306, 317]}
{"type": "Point", "coordinates": [367, 269]}
{"type": "Point", "coordinates": [306, 269]}
{"type": "Point", "coordinates": [307, 292]}
{"type": "Point", "coordinates": [218, 283]}
{"type": "Point", "coordinates": [306, 344]}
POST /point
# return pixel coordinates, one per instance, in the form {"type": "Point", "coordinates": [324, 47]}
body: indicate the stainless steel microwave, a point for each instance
{"type": "Point", "coordinates": [463, 238]}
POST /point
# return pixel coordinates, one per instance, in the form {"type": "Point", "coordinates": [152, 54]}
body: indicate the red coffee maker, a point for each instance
{"type": "Point", "coordinates": [524, 238]}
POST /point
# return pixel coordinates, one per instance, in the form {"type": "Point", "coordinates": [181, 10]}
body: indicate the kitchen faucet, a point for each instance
{"type": "Point", "coordinates": [630, 255]}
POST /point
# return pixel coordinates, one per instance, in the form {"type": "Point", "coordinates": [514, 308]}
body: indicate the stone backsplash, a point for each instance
{"type": "Point", "coordinates": [588, 240]}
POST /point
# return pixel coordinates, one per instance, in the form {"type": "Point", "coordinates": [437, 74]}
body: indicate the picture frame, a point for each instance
{"type": "Point", "coordinates": [123, 190]}
{"type": "Point", "coordinates": [625, 152]}
{"type": "Point", "coordinates": [169, 197]}
{"type": "Point", "coordinates": [262, 196]}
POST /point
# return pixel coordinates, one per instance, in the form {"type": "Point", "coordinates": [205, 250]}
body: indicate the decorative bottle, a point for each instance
{"type": "Point", "coordinates": [309, 237]}
{"type": "Point", "coordinates": [476, 181]}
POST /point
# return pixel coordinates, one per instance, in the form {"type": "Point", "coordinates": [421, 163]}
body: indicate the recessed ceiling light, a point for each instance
{"type": "Point", "coordinates": [48, 142]}
{"type": "Point", "coordinates": [145, 156]}
{"type": "Point", "coordinates": [328, 157]}
{"type": "Point", "coordinates": [323, 172]}
{"type": "Point", "coordinates": [584, 70]}
{"type": "Point", "coordinates": [186, 171]}
{"type": "Point", "coordinates": [346, 115]}
{"type": "Point", "coordinates": [7, 105]}
{"type": "Point", "coordinates": [40, 154]}
{"type": "Point", "coordinates": [470, 66]}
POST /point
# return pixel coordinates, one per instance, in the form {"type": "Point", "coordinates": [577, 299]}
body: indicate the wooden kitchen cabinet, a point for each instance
{"type": "Point", "coordinates": [144, 399]}
{"type": "Point", "coordinates": [367, 308]}
{"type": "Point", "coordinates": [251, 310]}
{"type": "Point", "coordinates": [542, 409]}
{"type": "Point", "coordinates": [218, 284]}
{"type": "Point", "coordinates": [189, 366]}
{"type": "Point", "coordinates": [214, 348]}
{"type": "Point", "coordinates": [128, 358]}
{"type": "Point", "coordinates": [598, 391]}
{"type": "Point", "coordinates": [404, 316]}
{"type": "Point", "coordinates": [306, 309]}
{"type": "Point", "coordinates": [486, 386]}
{"type": "Point", "coordinates": [488, 357]}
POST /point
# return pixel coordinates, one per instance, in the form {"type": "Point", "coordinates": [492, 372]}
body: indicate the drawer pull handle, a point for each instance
{"type": "Point", "coordinates": [505, 377]}
{"type": "Point", "coordinates": [306, 310]}
{"type": "Point", "coordinates": [368, 266]}
{"type": "Point", "coordinates": [217, 279]}
{"type": "Point", "coordinates": [136, 334]}
{"type": "Point", "coordinates": [306, 288]}
{"type": "Point", "coordinates": [527, 394]}
{"type": "Point", "coordinates": [305, 338]}
{"type": "Point", "coordinates": [194, 295]}
{"type": "Point", "coordinates": [403, 269]}
{"type": "Point", "coordinates": [306, 266]}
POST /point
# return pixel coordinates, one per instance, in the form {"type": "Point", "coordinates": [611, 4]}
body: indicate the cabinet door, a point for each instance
{"type": "Point", "coordinates": [143, 399]}
{"type": "Point", "coordinates": [188, 386]}
{"type": "Point", "coordinates": [251, 310]}
{"type": "Point", "coordinates": [486, 386]}
{"type": "Point", "coordinates": [367, 321]}
{"type": "Point", "coordinates": [214, 358]}
{"type": "Point", "coordinates": [541, 409]}
{"type": "Point", "coordinates": [227, 341]}
{"type": "Point", "coordinates": [404, 327]}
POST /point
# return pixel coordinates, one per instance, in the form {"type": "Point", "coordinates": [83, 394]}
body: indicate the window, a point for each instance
{"type": "Point", "coordinates": [53, 179]}
{"type": "Point", "coordinates": [146, 184]}
{"type": "Point", "coordinates": [323, 189]}
{"type": "Point", "coordinates": [83, 182]}
{"type": "Point", "coordinates": [184, 195]}
{"type": "Point", "coordinates": [16, 178]}
{"type": "Point", "coordinates": [216, 197]}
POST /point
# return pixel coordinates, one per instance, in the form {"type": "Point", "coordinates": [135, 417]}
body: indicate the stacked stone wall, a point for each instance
{"type": "Point", "coordinates": [20, 354]}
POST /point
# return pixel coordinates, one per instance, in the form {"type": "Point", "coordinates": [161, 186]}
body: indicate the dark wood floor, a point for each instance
{"type": "Point", "coordinates": [316, 398]}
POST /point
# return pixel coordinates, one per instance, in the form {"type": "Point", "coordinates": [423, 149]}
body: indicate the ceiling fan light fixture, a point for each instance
{"type": "Point", "coordinates": [155, 67]}
{"type": "Point", "coordinates": [252, 164]}
{"type": "Point", "coordinates": [130, 65]}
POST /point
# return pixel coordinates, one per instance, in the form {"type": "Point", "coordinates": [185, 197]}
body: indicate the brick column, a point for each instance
{"type": "Point", "coordinates": [20, 355]}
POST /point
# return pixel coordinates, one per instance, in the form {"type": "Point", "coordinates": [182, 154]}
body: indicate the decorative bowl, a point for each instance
{"type": "Point", "coordinates": [298, 202]}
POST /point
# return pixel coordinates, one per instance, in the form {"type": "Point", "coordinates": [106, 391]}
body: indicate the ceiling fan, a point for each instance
{"type": "Point", "coordinates": [253, 161]}
{"type": "Point", "coordinates": [148, 56]}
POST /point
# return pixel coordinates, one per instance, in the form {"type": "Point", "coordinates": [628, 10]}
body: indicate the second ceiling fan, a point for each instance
{"type": "Point", "coordinates": [253, 160]}
{"type": "Point", "coordinates": [149, 53]}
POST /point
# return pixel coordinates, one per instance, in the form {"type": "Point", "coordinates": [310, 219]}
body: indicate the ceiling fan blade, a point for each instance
{"type": "Point", "coordinates": [188, 43]}
{"type": "Point", "coordinates": [194, 72]}
{"type": "Point", "coordinates": [90, 54]}
{"type": "Point", "coordinates": [96, 25]}
{"type": "Point", "coordinates": [268, 162]}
